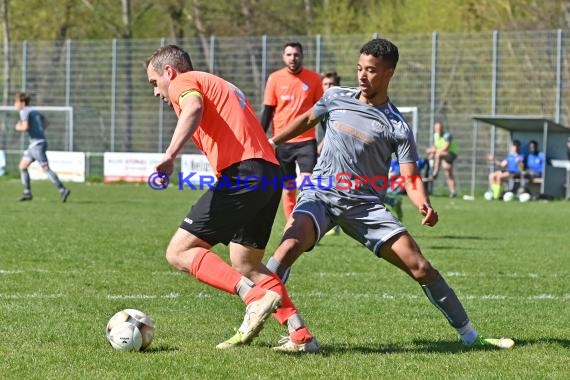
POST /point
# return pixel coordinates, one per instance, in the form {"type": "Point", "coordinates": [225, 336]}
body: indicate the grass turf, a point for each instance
{"type": "Point", "coordinates": [65, 269]}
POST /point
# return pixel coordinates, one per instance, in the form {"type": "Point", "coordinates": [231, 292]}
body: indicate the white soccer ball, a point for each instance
{"type": "Point", "coordinates": [509, 196]}
{"type": "Point", "coordinates": [130, 330]}
{"type": "Point", "coordinates": [488, 195]}
{"type": "Point", "coordinates": [525, 197]}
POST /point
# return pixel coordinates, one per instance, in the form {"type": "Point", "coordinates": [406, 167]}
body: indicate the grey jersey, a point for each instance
{"type": "Point", "coordinates": [36, 125]}
{"type": "Point", "coordinates": [360, 141]}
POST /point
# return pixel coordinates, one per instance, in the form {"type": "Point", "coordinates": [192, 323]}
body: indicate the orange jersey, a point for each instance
{"type": "Point", "coordinates": [292, 95]}
{"type": "Point", "coordinates": [229, 131]}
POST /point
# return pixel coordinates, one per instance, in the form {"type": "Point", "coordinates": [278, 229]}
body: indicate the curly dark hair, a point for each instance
{"type": "Point", "coordinates": [382, 48]}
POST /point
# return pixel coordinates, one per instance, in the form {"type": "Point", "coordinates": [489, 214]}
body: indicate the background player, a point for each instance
{"type": "Point", "coordinates": [34, 123]}
{"type": "Point", "coordinates": [289, 92]}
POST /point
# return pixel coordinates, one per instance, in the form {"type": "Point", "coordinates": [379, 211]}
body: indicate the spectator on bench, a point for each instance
{"type": "Point", "coordinates": [534, 161]}
{"type": "Point", "coordinates": [510, 168]}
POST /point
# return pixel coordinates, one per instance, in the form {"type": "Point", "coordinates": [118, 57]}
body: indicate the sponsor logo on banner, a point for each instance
{"type": "Point", "coordinates": [69, 166]}
{"type": "Point", "coordinates": [197, 164]}
{"type": "Point", "coordinates": [129, 167]}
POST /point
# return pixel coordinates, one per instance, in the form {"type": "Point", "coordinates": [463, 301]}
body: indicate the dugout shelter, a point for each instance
{"type": "Point", "coordinates": [551, 137]}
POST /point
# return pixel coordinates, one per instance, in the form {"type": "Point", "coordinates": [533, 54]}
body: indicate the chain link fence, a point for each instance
{"type": "Point", "coordinates": [448, 76]}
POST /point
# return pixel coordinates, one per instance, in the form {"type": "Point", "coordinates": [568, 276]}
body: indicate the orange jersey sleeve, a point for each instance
{"type": "Point", "coordinates": [292, 95]}
{"type": "Point", "coordinates": [229, 131]}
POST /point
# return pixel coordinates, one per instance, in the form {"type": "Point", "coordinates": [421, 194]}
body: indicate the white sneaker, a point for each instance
{"type": "Point", "coordinates": [256, 313]}
{"type": "Point", "coordinates": [287, 345]}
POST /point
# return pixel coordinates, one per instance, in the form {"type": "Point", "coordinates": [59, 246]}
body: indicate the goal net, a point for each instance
{"type": "Point", "coordinates": [59, 130]}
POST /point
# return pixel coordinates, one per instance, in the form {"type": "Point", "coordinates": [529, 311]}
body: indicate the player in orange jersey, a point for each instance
{"type": "Point", "coordinates": [240, 208]}
{"type": "Point", "coordinates": [290, 92]}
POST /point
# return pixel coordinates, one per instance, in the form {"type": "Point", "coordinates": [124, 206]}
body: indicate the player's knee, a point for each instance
{"type": "Point", "coordinates": [423, 272]}
{"type": "Point", "coordinates": [174, 257]}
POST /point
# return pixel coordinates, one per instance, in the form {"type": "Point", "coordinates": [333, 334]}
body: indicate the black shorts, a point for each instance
{"type": "Point", "coordinates": [303, 153]}
{"type": "Point", "coordinates": [240, 208]}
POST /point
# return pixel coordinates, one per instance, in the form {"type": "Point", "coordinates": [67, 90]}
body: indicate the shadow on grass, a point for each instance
{"type": "Point", "coordinates": [543, 341]}
{"type": "Point", "coordinates": [427, 346]}
{"type": "Point", "coordinates": [160, 349]}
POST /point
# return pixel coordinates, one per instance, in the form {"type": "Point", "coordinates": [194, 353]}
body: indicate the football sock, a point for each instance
{"type": "Point", "coordinates": [301, 335]}
{"type": "Point", "coordinates": [444, 298]}
{"type": "Point", "coordinates": [287, 308]}
{"type": "Point", "coordinates": [289, 201]}
{"type": "Point", "coordinates": [468, 334]}
{"type": "Point", "coordinates": [25, 177]}
{"type": "Point", "coordinates": [243, 287]}
{"type": "Point", "coordinates": [210, 269]}
{"type": "Point", "coordinates": [496, 188]}
{"type": "Point", "coordinates": [54, 179]}
{"type": "Point", "coordinates": [278, 268]}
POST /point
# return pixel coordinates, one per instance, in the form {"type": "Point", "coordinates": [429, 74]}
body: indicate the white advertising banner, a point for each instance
{"type": "Point", "coordinates": [69, 166]}
{"type": "Point", "coordinates": [129, 167]}
{"type": "Point", "coordinates": [2, 162]}
{"type": "Point", "coordinates": [195, 166]}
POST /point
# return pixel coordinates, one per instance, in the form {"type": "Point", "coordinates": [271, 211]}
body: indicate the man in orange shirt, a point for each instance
{"type": "Point", "coordinates": [290, 92]}
{"type": "Point", "coordinates": [240, 208]}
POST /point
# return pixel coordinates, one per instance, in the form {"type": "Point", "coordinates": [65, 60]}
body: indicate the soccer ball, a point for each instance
{"type": "Point", "coordinates": [509, 196]}
{"type": "Point", "coordinates": [130, 330]}
{"type": "Point", "coordinates": [488, 195]}
{"type": "Point", "coordinates": [525, 197]}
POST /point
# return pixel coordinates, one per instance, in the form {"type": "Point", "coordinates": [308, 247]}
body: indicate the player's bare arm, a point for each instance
{"type": "Point", "coordinates": [416, 192]}
{"type": "Point", "coordinates": [301, 124]}
{"type": "Point", "coordinates": [22, 126]}
{"type": "Point", "coordinates": [189, 120]}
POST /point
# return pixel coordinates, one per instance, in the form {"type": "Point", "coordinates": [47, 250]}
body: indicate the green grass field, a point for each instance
{"type": "Point", "coordinates": [65, 269]}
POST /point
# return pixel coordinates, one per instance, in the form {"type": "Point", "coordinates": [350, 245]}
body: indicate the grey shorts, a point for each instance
{"type": "Point", "coordinates": [37, 152]}
{"type": "Point", "coordinates": [365, 220]}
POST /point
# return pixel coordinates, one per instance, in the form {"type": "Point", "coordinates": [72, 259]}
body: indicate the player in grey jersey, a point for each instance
{"type": "Point", "coordinates": [34, 123]}
{"type": "Point", "coordinates": [363, 131]}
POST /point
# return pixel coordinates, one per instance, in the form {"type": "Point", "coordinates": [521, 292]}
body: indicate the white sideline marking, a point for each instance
{"type": "Point", "coordinates": [395, 297]}
{"type": "Point", "coordinates": [10, 271]}
{"type": "Point", "coordinates": [313, 294]}
{"type": "Point", "coordinates": [543, 297]}
{"type": "Point", "coordinates": [493, 297]}
{"type": "Point", "coordinates": [30, 295]}
{"type": "Point", "coordinates": [141, 296]}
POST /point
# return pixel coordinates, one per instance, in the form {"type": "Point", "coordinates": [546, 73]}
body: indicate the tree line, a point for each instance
{"type": "Point", "coordinates": [177, 19]}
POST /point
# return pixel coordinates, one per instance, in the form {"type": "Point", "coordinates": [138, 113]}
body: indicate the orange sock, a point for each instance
{"type": "Point", "coordinates": [289, 201]}
{"type": "Point", "coordinates": [287, 308]}
{"type": "Point", "coordinates": [210, 269]}
{"type": "Point", "coordinates": [301, 336]}
{"type": "Point", "coordinates": [254, 294]}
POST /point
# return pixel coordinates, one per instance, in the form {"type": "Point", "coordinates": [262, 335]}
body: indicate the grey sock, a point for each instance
{"type": "Point", "coordinates": [243, 287]}
{"type": "Point", "coordinates": [278, 268]}
{"type": "Point", "coordinates": [25, 177]}
{"type": "Point", "coordinates": [55, 179]}
{"type": "Point", "coordinates": [294, 323]}
{"type": "Point", "coordinates": [444, 298]}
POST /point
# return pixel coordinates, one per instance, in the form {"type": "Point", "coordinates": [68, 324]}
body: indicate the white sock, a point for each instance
{"type": "Point", "coordinates": [468, 334]}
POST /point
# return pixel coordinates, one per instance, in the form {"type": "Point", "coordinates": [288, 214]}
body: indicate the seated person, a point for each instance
{"type": "Point", "coordinates": [533, 163]}
{"type": "Point", "coordinates": [568, 148]}
{"type": "Point", "coordinates": [511, 167]}
{"type": "Point", "coordinates": [443, 152]}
